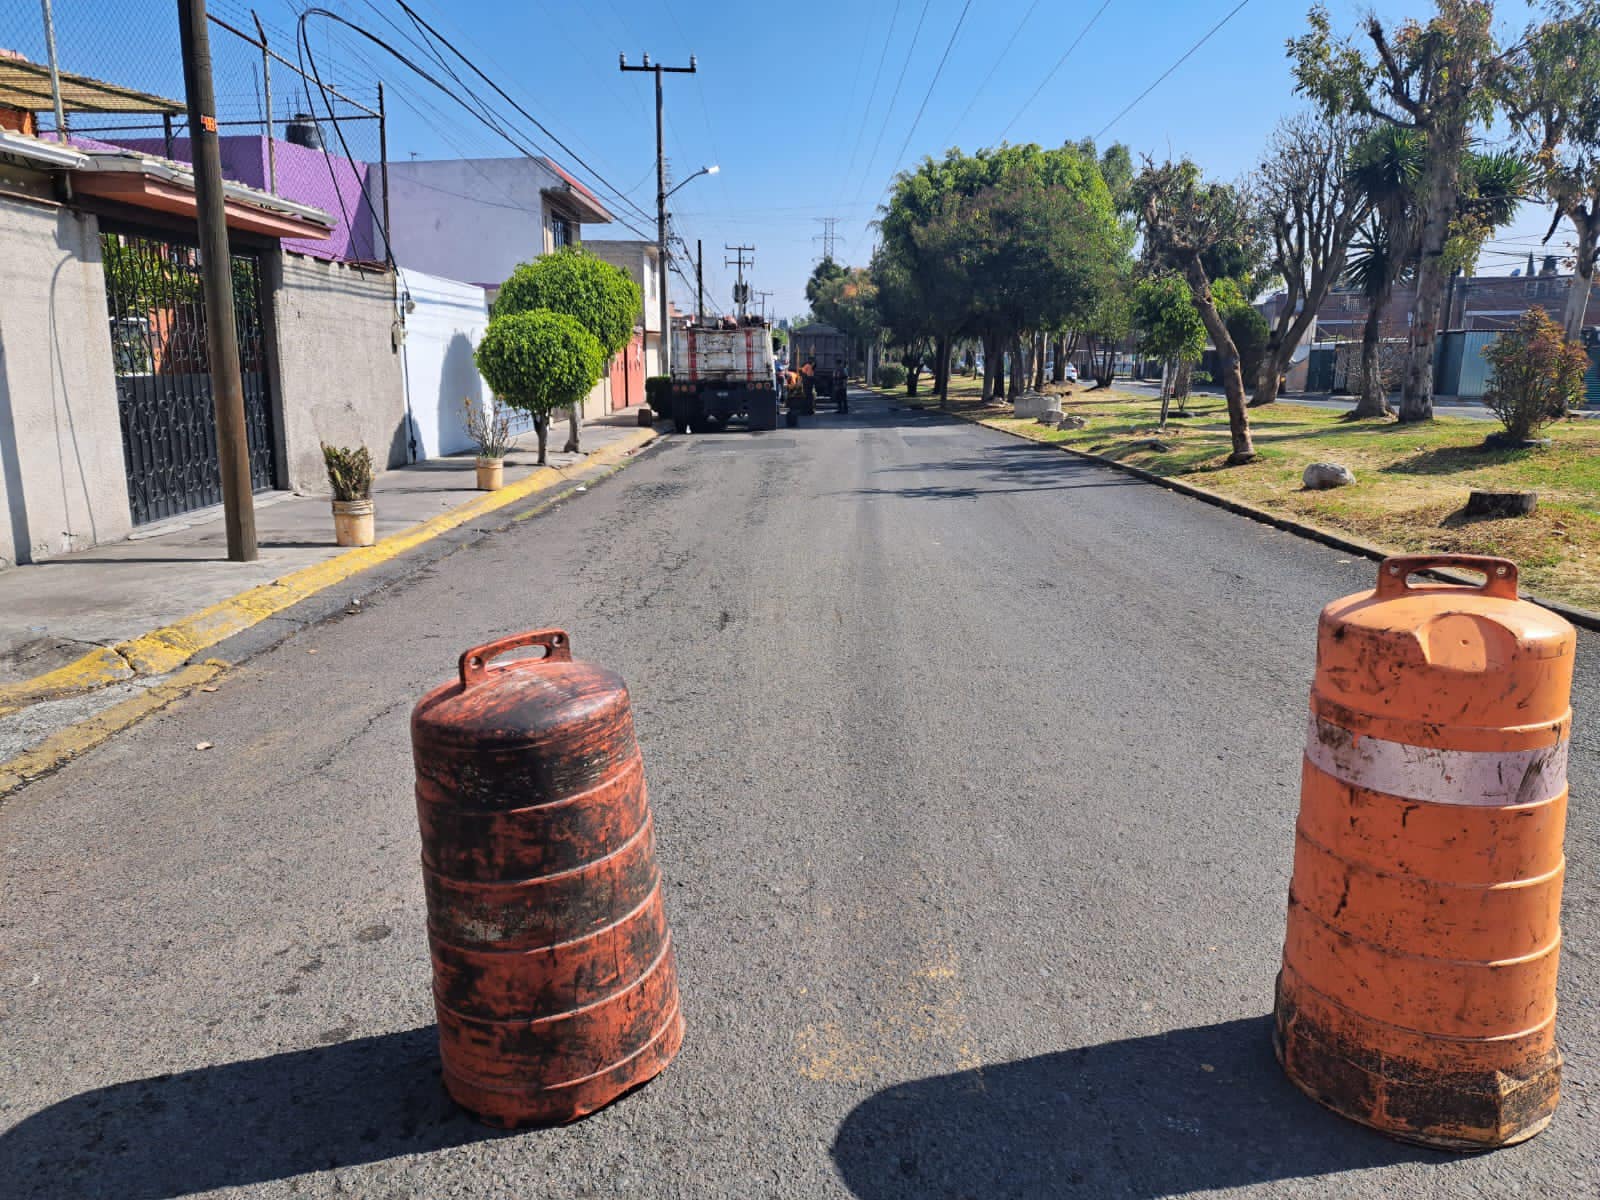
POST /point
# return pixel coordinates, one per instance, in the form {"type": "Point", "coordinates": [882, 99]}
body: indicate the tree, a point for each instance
{"type": "Point", "coordinates": [825, 273]}
{"type": "Point", "coordinates": [1246, 326]}
{"type": "Point", "coordinates": [1169, 325]}
{"type": "Point", "coordinates": [1183, 217]}
{"type": "Point", "coordinates": [1552, 93]}
{"type": "Point", "coordinates": [1438, 78]}
{"type": "Point", "coordinates": [849, 302]}
{"type": "Point", "coordinates": [538, 361]}
{"type": "Point", "coordinates": [1313, 209]}
{"type": "Point", "coordinates": [1386, 168]}
{"type": "Point", "coordinates": [602, 298]}
{"type": "Point", "coordinates": [1538, 374]}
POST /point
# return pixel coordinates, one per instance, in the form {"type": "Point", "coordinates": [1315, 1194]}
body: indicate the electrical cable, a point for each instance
{"type": "Point", "coordinates": [1172, 68]}
{"type": "Point", "coordinates": [894, 99]}
{"type": "Point", "coordinates": [1011, 41]}
{"type": "Point", "coordinates": [861, 126]}
{"type": "Point", "coordinates": [932, 83]}
{"type": "Point", "coordinates": [1060, 62]}
{"type": "Point", "coordinates": [487, 120]}
{"type": "Point", "coordinates": [411, 12]}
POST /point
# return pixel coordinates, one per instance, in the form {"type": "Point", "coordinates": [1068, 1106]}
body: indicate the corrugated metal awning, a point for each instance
{"type": "Point", "coordinates": [26, 85]}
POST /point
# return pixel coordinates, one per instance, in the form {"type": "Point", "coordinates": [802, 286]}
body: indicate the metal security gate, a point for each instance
{"type": "Point", "coordinates": [158, 340]}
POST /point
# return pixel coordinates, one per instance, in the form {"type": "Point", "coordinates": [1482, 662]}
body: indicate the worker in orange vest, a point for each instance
{"type": "Point", "coordinates": [808, 378]}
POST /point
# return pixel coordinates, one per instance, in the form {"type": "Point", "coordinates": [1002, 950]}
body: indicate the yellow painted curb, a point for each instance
{"type": "Point", "coordinates": [165, 649]}
{"type": "Point", "coordinates": [61, 748]}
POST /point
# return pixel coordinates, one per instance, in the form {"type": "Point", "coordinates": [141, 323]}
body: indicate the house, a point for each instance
{"type": "Point", "coordinates": [475, 219]}
{"type": "Point", "coordinates": [641, 261]}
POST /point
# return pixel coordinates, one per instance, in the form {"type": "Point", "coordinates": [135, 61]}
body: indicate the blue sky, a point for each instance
{"type": "Point", "coordinates": [810, 111]}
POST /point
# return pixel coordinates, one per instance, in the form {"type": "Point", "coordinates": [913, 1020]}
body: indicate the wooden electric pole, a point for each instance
{"type": "Point", "coordinates": [661, 200]}
{"type": "Point", "coordinates": [216, 263]}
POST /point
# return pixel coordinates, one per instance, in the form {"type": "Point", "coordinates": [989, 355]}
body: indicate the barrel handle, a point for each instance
{"type": "Point", "coordinates": [1500, 574]}
{"type": "Point", "coordinates": [475, 662]}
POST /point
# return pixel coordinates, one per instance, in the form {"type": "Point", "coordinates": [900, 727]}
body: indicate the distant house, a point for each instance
{"type": "Point", "coordinates": [640, 260]}
{"type": "Point", "coordinates": [475, 219]}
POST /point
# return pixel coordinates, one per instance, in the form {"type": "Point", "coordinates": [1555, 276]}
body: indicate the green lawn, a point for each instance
{"type": "Point", "coordinates": [1411, 480]}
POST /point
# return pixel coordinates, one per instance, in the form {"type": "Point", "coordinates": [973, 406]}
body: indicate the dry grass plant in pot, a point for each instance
{"type": "Point", "coordinates": [490, 428]}
{"type": "Point", "coordinates": [350, 476]}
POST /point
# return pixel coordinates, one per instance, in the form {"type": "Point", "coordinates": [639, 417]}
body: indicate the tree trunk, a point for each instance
{"type": "Point", "coordinates": [1244, 449]}
{"type": "Point", "coordinates": [1181, 385]}
{"type": "Point", "coordinates": [541, 426]}
{"type": "Point", "coordinates": [1266, 380]}
{"type": "Point", "coordinates": [1374, 400]}
{"type": "Point", "coordinates": [1019, 368]}
{"type": "Point", "coordinates": [1588, 229]}
{"type": "Point", "coordinates": [941, 369]}
{"type": "Point", "coordinates": [1058, 371]}
{"type": "Point", "coordinates": [574, 420]}
{"type": "Point", "coordinates": [1166, 393]}
{"type": "Point", "coordinates": [1038, 361]}
{"type": "Point", "coordinates": [1440, 203]}
{"type": "Point", "coordinates": [991, 367]}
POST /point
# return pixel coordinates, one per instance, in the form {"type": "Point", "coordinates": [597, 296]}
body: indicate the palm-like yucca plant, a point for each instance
{"type": "Point", "coordinates": [1386, 166]}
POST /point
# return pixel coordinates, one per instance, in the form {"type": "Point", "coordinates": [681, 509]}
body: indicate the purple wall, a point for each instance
{"type": "Point", "coordinates": [305, 178]}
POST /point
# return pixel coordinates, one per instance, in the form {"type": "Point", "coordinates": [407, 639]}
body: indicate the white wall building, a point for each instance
{"type": "Point", "coordinates": [639, 259]}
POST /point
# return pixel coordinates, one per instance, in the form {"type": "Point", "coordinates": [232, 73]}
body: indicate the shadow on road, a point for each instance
{"type": "Point", "coordinates": [239, 1123]}
{"type": "Point", "coordinates": [1167, 1115]}
{"type": "Point", "coordinates": [1004, 469]}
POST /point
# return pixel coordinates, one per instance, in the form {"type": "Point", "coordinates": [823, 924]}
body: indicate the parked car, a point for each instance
{"type": "Point", "coordinates": [1072, 373]}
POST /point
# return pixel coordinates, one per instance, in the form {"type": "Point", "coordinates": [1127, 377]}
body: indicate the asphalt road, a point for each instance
{"type": "Point", "coordinates": [974, 768]}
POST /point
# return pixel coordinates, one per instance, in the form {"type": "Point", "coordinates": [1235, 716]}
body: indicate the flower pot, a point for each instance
{"type": "Point", "coordinates": [491, 474]}
{"type": "Point", "coordinates": [353, 523]}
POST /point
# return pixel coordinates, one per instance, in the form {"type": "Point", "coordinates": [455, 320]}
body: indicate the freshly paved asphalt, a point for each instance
{"type": "Point", "coordinates": [975, 770]}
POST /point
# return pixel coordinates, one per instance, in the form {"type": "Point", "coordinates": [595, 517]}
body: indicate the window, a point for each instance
{"type": "Point", "coordinates": [561, 231]}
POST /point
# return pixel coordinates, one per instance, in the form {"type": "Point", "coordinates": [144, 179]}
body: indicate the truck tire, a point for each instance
{"type": "Point", "coordinates": [791, 419]}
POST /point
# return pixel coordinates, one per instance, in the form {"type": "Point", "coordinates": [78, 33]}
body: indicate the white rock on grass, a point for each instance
{"type": "Point", "coordinates": [1321, 476]}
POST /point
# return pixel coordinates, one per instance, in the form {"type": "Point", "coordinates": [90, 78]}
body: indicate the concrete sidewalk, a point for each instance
{"type": "Point", "coordinates": [86, 631]}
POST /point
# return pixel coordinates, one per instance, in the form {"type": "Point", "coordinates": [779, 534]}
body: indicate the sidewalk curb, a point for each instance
{"type": "Point", "coordinates": [1582, 617]}
{"type": "Point", "coordinates": [81, 736]}
{"type": "Point", "coordinates": [169, 647]}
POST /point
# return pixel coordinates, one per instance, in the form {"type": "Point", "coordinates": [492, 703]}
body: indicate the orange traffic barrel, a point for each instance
{"type": "Point", "coordinates": [553, 973]}
{"type": "Point", "coordinates": [1418, 990]}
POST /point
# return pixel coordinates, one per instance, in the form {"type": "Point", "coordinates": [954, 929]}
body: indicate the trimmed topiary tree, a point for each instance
{"type": "Point", "coordinates": [602, 298]}
{"type": "Point", "coordinates": [539, 361]}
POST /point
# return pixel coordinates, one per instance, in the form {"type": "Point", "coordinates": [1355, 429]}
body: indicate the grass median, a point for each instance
{"type": "Point", "coordinates": [1411, 480]}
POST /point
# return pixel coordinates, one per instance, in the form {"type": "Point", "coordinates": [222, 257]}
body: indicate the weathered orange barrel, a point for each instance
{"type": "Point", "coordinates": [553, 973]}
{"type": "Point", "coordinates": [1418, 990]}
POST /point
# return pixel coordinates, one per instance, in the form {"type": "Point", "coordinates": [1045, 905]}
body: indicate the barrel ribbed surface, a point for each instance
{"type": "Point", "coordinates": [1418, 990]}
{"type": "Point", "coordinates": [554, 979]}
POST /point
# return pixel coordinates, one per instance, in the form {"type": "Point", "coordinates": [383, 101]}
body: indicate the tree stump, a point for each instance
{"type": "Point", "coordinates": [1501, 504]}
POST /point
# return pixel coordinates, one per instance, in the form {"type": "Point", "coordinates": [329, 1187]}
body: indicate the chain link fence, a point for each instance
{"type": "Point", "coordinates": [298, 120]}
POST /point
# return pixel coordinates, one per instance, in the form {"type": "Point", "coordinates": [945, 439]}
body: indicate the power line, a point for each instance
{"type": "Point", "coordinates": [1060, 62]}
{"type": "Point", "coordinates": [1015, 34]}
{"type": "Point", "coordinates": [536, 122]}
{"type": "Point", "coordinates": [877, 76]}
{"type": "Point", "coordinates": [932, 83]}
{"type": "Point", "coordinates": [866, 169]}
{"type": "Point", "coordinates": [1172, 68]}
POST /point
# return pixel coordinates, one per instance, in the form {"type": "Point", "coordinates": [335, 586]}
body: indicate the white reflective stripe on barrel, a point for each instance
{"type": "Point", "coordinates": [1489, 778]}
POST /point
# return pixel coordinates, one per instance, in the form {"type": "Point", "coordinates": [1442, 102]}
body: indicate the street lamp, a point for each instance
{"type": "Point", "coordinates": [711, 170]}
{"type": "Point", "coordinates": [661, 262]}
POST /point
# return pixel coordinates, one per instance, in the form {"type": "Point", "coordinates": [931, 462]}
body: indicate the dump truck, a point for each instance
{"type": "Point", "coordinates": [721, 372]}
{"type": "Point", "coordinates": [829, 351]}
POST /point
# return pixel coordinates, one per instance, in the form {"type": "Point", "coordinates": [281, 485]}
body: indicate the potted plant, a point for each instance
{"type": "Point", "coordinates": [350, 476]}
{"type": "Point", "coordinates": [490, 428]}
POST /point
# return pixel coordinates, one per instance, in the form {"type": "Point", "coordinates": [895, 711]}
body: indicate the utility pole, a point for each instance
{"type": "Point", "coordinates": [222, 338]}
{"type": "Point", "coordinates": [741, 289]}
{"type": "Point", "coordinates": [699, 283]}
{"type": "Point", "coordinates": [661, 199]}
{"type": "Point", "coordinates": [763, 296]}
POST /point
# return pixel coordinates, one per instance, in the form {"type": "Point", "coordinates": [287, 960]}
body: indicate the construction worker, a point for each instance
{"type": "Point", "coordinates": [808, 380]}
